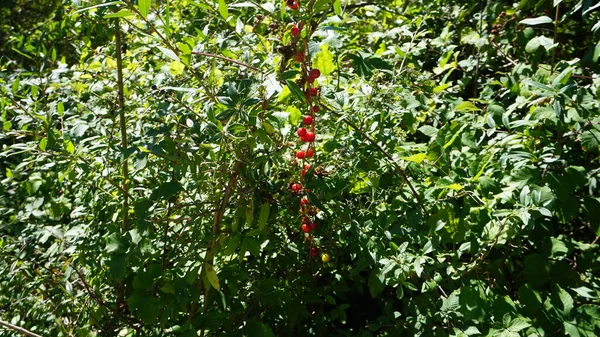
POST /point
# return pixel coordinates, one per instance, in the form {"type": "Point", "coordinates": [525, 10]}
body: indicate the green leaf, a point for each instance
{"type": "Point", "coordinates": [571, 329]}
{"type": "Point", "coordinates": [79, 129]}
{"type": "Point", "coordinates": [295, 89]}
{"type": "Point", "coordinates": [60, 109]}
{"type": "Point", "coordinates": [456, 187]}
{"type": "Point", "coordinates": [566, 301]}
{"type": "Point", "coordinates": [324, 61]}
{"type": "Point", "coordinates": [263, 216]}
{"type": "Point", "coordinates": [120, 14]}
{"type": "Point", "coordinates": [596, 54]}
{"type": "Point", "coordinates": [451, 303]}
{"type": "Point", "coordinates": [466, 106]}
{"type": "Point", "coordinates": [223, 9]}
{"type": "Point", "coordinates": [251, 245]}
{"type": "Point", "coordinates": [537, 42]}
{"type": "Point", "coordinates": [524, 215]}
{"type": "Point", "coordinates": [145, 306]}
{"type": "Point", "coordinates": [144, 7]}
{"type": "Point", "coordinates": [564, 76]}
{"type": "Point", "coordinates": [518, 324]}
{"type": "Point", "coordinates": [288, 75]}
{"type": "Point", "coordinates": [43, 143]}
{"type": "Point", "coordinates": [117, 266]}
{"type": "Point", "coordinates": [361, 66]}
{"type": "Point", "coordinates": [69, 146]}
{"type": "Point", "coordinates": [590, 140]}
{"type": "Point", "coordinates": [584, 292]}
{"type": "Point", "coordinates": [428, 130]}
{"type": "Point", "coordinates": [140, 161]}
{"type": "Point", "coordinates": [337, 7]}
{"type": "Point", "coordinates": [416, 158]}
{"type": "Point", "coordinates": [451, 141]}
{"type": "Point", "coordinates": [530, 300]}
{"type": "Point", "coordinates": [211, 275]}
{"type": "Point", "coordinates": [295, 114]}
{"type": "Point", "coordinates": [536, 21]}
{"type": "Point", "coordinates": [376, 283]}
{"type": "Point", "coordinates": [169, 53]}
{"type": "Point", "coordinates": [166, 190]}
{"type": "Point", "coordinates": [114, 244]}
{"type": "Point", "coordinates": [559, 249]}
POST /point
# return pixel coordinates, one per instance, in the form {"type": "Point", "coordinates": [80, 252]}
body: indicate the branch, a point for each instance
{"type": "Point", "coordinates": [504, 54]}
{"type": "Point", "coordinates": [123, 127]}
{"type": "Point", "coordinates": [18, 329]}
{"type": "Point", "coordinates": [555, 36]}
{"type": "Point", "coordinates": [218, 218]}
{"type": "Point", "coordinates": [227, 59]}
{"type": "Point", "coordinates": [122, 122]}
{"type": "Point", "coordinates": [385, 153]}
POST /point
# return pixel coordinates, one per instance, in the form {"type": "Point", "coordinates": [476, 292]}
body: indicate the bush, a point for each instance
{"type": "Point", "coordinates": [450, 190]}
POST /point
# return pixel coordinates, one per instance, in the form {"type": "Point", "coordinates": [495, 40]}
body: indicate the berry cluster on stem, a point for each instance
{"type": "Point", "coordinates": [306, 132]}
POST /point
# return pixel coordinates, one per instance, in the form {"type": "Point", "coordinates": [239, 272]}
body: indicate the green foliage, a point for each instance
{"type": "Point", "coordinates": [455, 175]}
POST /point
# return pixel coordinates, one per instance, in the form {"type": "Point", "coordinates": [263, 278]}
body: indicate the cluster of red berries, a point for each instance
{"type": "Point", "coordinates": [292, 4]}
{"type": "Point", "coordinates": [306, 133]}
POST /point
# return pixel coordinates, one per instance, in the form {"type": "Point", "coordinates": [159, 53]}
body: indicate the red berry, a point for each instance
{"type": "Point", "coordinates": [309, 153]}
{"type": "Point", "coordinates": [313, 226]}
{"type": "Point", "coordinates": [315, 108]}
{"type": "Point", "coordinates": [310, 136]}
{"type": "Point", "coordinates": [314, 92]}
{"type": "Point", "coordinates": [296, 187]}
{"type": "Point", "coordinates": [304, 139]}
{"type": "Point", "coordinates": [295, 31]}
{"type": "Point", "coordinates": [307, 120]}
{"type": "Point", "coordinates": [314, 74]}
{"type": "Point", "coordinates": [300, 56]}
{"type": "Point", "coordinates": [300, 154]}
{"type": "Point", "coordinates": [294, 6]}
{"type": "Point", "coordinates": [305, 170]}
{"type": "Point", "coordinates": [301, 132]}
{"type": "Point", "coordinates": [306, 228]}
{"type": "Point", "coordinates": [314, 251]}
{"type": "Point", "coordinates": [305, 219]}
{"type": "Point", "coordinates": [304, 201]}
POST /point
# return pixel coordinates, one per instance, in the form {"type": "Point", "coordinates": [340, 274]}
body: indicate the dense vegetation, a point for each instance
{"type": "Point", "coordinates": [300, 168]}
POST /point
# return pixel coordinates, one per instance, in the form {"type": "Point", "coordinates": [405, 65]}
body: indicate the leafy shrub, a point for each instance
{"type": "Point", "coordinates": [454, 180]}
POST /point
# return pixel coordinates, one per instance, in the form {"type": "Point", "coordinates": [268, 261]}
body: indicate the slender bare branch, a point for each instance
{"type": "Point", "coordinates": [18, 329]}
{"type": "Point", "coordinates": [227, 59]}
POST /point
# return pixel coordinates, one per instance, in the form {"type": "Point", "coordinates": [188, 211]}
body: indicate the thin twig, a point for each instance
{"type": "Point", "coordinates": [502, 52]}
{"type": "Point", "coordinates": [226, 59]}
{"type": "Point", "coordinates": [125, 167]}
{"type": "Point", "coordinates": [18, 329]}
{"type": "Point", "coordinates": [123, 123]}
{"type": "Point", "coordinates": [555, 36]}
{"type": "Point", "coordinates": [99, 299]}
{"type": "Point", "coordinates": [218, 219]}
